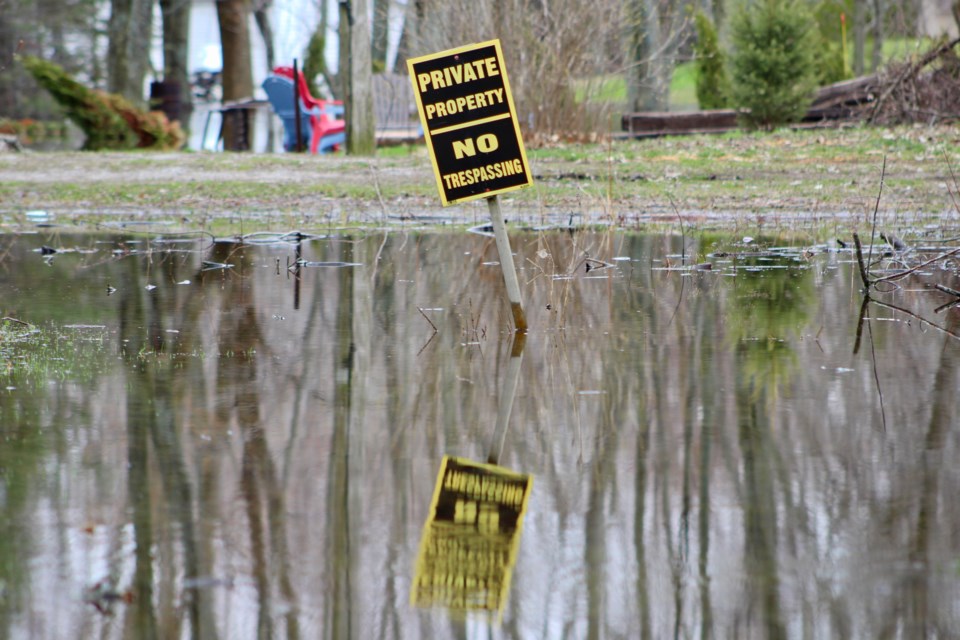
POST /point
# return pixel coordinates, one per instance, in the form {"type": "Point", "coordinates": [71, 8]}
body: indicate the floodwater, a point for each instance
{"type": "Point", "coordinates": [207, 441]}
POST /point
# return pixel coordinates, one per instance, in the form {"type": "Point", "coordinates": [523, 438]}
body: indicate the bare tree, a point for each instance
{"type": "Point", "coordinates": [655, 31]}
{"type": "Point", "coordinates": [127, 57]}
{"type": "Point", "coordinates": [356, 78]}
{"type": "Point", "coordinates": [237, 72]}
{"type": "Point", "coordinates": [381, 15]}
{"type": "Point", "coordinates": [555, 52]}
{"type": "Point", "coordinates": [261, 12]}
{"type": "Point", "coordinates": [176, 33]}
{"type": "Point", "coordinates": [859, 35]}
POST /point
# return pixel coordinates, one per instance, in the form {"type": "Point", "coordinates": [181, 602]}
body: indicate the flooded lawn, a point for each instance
{"type": "Point", "coordinates": [220, 440]}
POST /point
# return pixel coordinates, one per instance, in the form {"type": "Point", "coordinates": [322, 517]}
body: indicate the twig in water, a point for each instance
{"type": "Point", "coordinates": [376, 186]}
{"type": "Point", "coordinates": [921, 319]}
{"type": "Point", "coordinates": [950, 304]}
{"type": "Point", "coordinates": [876, 208]}
{"type": "Point", "coordinates": [427, 319]}
{"type": "Point", "coordinates": [683, 232]}
{"type": "Point", "coordinates": [902, 274]}
{"type": "Point", "coordinates": [863, 315]}
{"type": "Point", "coordinates": [952, 292]}
{"type": "Point", "coordinates": [863, 269]}
{"type": "Point", "coordinates": [14, 320]}
{"type": "Point", "coordinates": [876, 376]}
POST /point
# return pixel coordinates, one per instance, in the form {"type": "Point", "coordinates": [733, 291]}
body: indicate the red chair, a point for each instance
{"type": "Point", "coordinates": [328, 130]}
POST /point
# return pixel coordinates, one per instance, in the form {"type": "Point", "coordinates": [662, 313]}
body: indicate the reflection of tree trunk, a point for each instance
{"type": "Point", "coordinates": [759, 510]}
{"type": "Point", "coordinates": [596, 553]}
{"type": "Point", "coordinates": [703, 523]}
{"type": "Point", "coordinates": [178, 489]}
{"type": "Point", "coordinates": [639, 544]}
{"type": "Point", "coordinates": [683, 537]}
{"type": "Point", "coordinates": [140, 419]}
{"type": "Point", "coordinates": [942, 418]}
{"type": "Point", "coordinates": [252, 458]}
{"type": "Point", "coordinates": [339, 484]}
{"type": "Point", "coordinates": [238, 392]}
{"type": "Point", "coordinates": [595, 539]}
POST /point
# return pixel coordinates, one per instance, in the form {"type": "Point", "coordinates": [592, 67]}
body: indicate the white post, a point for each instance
{"type": "Point", "coordinates": [507, 394]}
{"type": "Point", "coordinates": [506, 263]}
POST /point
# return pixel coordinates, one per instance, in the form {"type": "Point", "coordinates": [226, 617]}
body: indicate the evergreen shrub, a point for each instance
{"type": "Point", "coordinates": [773, 63]}
{"type": "Point", "coordinates": [713, 86]}
{"type": "Point", "coordinates": [108, 120]}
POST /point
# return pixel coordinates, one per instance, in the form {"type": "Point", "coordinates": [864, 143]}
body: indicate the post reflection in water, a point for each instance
{"type": "Point", "coordinates": [230, 456]}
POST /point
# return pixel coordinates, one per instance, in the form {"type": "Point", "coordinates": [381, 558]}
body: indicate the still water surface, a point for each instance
{"type": "Point", "coordinates": [250, 451]}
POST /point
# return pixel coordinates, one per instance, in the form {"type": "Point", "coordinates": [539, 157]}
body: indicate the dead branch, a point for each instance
{"type": "Point", "coordinates": [905, 273]}
{"type": "Point", "coordinates": [910, 73]}
{"type": "Point", "coordinates": [425, 317]}
{"type": "Point", "coordinates": [952, 292]}
{"type": "Point", "coordinates": [863, 269]}
{"type": "Point", "coordinates": [920, 318]}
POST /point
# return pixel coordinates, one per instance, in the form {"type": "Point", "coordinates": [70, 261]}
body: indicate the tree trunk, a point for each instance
{"type": "Point", "coordinates": [262, 15]}
{"type": "Point", "coordinates": [176, 32]}
{"type": "Point", "coordinates": [237, 76]}
{"type": "Point", "coordinates": [410, 36]}
{"type": "Point", "coordinates": [129, 30]}
{"type": "Point", "coordinates": [381, 14]}
{"type": "Point", "coordinates": [650, 55]}
{"type": "Point", "coordinates": [357, 78]}
{"type": "Point", "coordinates": [859, 35]}
{"type": "Point", "coordinates": [878, 28]}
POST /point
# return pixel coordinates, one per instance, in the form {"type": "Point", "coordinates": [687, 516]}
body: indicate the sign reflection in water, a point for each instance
{"type": "Point", "coordinates": [471, 537]}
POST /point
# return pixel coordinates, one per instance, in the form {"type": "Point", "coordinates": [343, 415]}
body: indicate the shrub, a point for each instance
{"type": "Point", "coordinates": [713, 86]}
{"type": "Point", "coordinates": [772, 66]}
{"type": "Point", "coordinates": [105, 129]}
{"type": "Point", "coordinates": [108, 120]}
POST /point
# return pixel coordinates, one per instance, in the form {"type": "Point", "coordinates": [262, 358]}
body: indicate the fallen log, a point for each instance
{"type": "Point", "coordinates": [836, 102]}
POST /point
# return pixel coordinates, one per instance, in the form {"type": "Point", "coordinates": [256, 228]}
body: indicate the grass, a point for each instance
{"type": "Point", "coordinates": [32, 355]}
{"type": "Point", "coordinates": [786, 173]}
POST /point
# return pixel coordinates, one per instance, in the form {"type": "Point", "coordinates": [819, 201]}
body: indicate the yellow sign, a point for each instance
{"type": "Point", "coordinates": [471, 537]}
{"type": "Point", "coordinates": [470, 122]}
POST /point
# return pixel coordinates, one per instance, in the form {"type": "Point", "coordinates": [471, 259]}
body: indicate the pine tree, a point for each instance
{"type": "Point", "coordinates": [713, 86]}
{"type": "Point", "coordinates": [773, 73]}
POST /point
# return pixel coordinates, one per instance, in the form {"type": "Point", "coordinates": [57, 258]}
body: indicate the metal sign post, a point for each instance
{"type": "Point", "coordinates": [471, 128]}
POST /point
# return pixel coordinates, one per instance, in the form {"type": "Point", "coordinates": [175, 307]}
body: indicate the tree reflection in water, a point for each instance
{"type": "Point", "coordinates": [254, 456]}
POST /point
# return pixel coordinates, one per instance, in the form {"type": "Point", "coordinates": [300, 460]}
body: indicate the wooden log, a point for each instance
{"type": "Point", "coordinates": [661, 123]}
{"type": "Point", "coordinates": [838, 101]}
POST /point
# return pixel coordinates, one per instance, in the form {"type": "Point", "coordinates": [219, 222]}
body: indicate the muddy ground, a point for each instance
{"type": "Point", "coordinates": [814, 178]}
